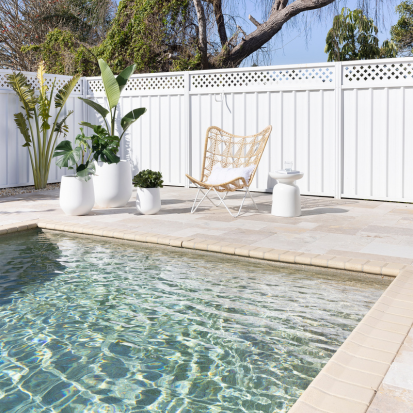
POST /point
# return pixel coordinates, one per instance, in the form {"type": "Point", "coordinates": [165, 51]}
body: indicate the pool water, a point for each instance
{"type": "Point", "coordinates": [89, 325]}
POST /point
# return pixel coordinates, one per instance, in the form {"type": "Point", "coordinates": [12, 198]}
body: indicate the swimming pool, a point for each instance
{"type": "Point", "coordinates": [89, 325]}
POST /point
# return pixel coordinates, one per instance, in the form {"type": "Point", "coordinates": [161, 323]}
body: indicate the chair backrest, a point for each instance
{"type": "Point", "coordinates": [233, 151]}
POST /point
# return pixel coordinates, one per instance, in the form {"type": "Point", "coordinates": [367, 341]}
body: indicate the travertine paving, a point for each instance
{"type": "Point", "coordinates": [361, 230]}
{"type": "Point", "coordinates": [373, 370]}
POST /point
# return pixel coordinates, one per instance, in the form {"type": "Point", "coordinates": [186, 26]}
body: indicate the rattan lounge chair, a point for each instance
{"type": "Point", "coordinates": [229, 151]}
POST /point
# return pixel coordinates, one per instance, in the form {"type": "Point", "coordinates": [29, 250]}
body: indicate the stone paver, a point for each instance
{"type": "Point", "coordinates": [358, 235]}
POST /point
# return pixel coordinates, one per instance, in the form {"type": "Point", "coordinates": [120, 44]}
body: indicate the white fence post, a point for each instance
{"type": "Point", "coordinates": [187, 125]}
{"type": "Point", "coordinates": [339, 130]}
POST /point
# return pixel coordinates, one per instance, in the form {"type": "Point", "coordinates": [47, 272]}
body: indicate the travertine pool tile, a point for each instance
{"type": "Point", "coordinates": [274, 254]}
{"type": "Point", "coordinates": [386, 325]}
{"type": "Point", "coordinates": [354, 376]}
{"type": "Point", "coordinates": [390, 318]}
{"type": "Point", "coordinates": [332, 404]}
{"type": "Point", "coordinates": [367, 352]}
{"type": "Point", "coordinates": [342, 389]}
{"type": "Point", "coordinates": [346, 359]}
{"type": "Point", "coordinates": [375, 332]}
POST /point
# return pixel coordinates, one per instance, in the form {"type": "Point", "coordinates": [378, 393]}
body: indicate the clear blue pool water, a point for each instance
{"type": "Point", "coordinates": [89, 325]}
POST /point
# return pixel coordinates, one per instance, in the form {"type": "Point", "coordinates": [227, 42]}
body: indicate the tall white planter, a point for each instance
{"type": "Point", "coordinates": [113, 184]}
{"type": "Point", "coordinates": [148, 200]}
{"type": "Point", "coordinates": [76, 195]}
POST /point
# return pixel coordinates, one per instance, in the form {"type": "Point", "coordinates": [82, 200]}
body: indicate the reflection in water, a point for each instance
{"type": "Point", "coordinates": [94, 326]}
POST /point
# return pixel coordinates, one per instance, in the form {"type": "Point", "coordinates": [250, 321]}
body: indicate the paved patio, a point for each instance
{"type": "Point", "coordinates": [364, 230]}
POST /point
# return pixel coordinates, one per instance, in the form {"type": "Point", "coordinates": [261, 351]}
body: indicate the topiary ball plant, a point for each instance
{"type": "Point", "coordinates": [148, 179]}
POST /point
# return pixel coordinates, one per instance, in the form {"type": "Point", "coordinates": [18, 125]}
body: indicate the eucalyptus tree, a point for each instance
{"type": "Point", "coordinates": [402, 31]}
{"type": "Point", "coordinates": [354, 37]}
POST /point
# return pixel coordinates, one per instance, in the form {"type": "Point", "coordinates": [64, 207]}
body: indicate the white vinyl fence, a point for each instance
{"type": "Point", "coordinates": [347, 125]}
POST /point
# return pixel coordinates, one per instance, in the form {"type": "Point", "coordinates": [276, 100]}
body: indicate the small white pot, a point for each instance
{"type": "Point", "coordinates": [148, 200]}
{"type": "Point", "coordinates": [113, 184]}
{"type": "Point", "coordinates": [76, 195]}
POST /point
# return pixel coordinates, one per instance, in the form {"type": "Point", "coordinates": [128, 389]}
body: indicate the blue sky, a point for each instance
{"type": "Point", "coordinates": [300, 50]}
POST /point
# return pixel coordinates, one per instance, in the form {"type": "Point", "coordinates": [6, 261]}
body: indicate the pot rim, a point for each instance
{"type": "Point", "coordinates": [105, 163]}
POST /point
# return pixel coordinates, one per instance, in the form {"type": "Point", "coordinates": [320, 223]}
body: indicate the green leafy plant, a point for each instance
{"type": "Point", "coordinates": [354, 37]}
{"type": "Point", "coordinates": [72, 158]}
{"type": "Point", "coordinates": [104, 146]}
{"type": "Point", "coordinates": [148, 179]}
{"type": "Point", "coordinates": [113, 88]}
{"type": "Point", "coordinates": [39, 131]}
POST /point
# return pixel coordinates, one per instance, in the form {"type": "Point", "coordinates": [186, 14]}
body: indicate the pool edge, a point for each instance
{"type": "Point", "coordinates": [384, 268]}
{"type": "Point", "coordinates": [350, 380]}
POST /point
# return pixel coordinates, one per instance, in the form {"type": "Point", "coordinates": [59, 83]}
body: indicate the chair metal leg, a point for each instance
{"type": "Point", "coordinates": [242, 203]}
{"type": "Point", "coordinates": [226, 193]}
{"type": "Point", "coordinates": [252, 199]}
{"type": "Point", "coordinates": [221, 200]}
{"type": "Point", "coordinates": [194, 208]}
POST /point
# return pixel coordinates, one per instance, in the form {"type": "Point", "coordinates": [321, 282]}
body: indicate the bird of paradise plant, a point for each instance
{"type": "Point", "coordinates": [113, 88]}
{"type": "Point", "coordinates": [40, 133]}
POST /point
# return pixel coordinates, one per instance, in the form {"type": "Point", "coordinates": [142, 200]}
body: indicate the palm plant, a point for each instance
{"type": "Point", "coordinates": [34, 122]}
{"type": "Point", "coordinates": [113, 88]}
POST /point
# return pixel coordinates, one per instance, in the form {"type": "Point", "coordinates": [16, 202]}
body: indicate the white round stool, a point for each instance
{"type": "Point", "coordinates": [286, 195]}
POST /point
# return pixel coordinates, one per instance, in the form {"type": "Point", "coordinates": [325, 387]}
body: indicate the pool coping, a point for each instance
{"type": "Point", "coordinates": [350, 380]}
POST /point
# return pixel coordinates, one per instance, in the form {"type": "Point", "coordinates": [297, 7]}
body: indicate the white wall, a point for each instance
{"type": "Point", "coordinates": [347, 125]}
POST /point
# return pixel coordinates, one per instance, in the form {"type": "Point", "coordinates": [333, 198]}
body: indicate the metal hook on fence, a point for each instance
{"type": "Point", "coordinates": [223, 97]}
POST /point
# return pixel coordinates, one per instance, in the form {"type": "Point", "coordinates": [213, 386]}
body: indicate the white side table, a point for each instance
{"type": "Point", "coordinates": [286, 195]}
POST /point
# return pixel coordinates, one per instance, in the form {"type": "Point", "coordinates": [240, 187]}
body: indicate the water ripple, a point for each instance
{"type": "Point", "coordinates": [94, 326]}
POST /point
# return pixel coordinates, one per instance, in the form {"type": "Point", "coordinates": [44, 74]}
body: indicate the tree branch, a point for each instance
{"type": "Point", "coordinates": [219, 18]}
{"type": "Point", "coordinates": [281, 13]}
{"type": "Point", "coordinates": [202, 37]}
{"type": "Point", "coordinates": [253, 21]}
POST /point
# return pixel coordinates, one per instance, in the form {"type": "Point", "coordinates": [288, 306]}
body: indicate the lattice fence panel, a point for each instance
{"type": "Point", "coordinates": [143, 84]}
{"type": "Point", "coordinates": [262, 78]}
{"type": "Point", "coordinates": [380, 72]}
{"type": "Point", "coordinates": [60, 81]}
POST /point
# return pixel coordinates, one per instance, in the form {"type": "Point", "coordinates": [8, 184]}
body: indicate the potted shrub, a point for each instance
{"type": "Point", "coordinates": [148, 195]}
{"type": "Point", "coordinates": [76, 191]}
{"type": "Point", "coordinates": [112, 182]}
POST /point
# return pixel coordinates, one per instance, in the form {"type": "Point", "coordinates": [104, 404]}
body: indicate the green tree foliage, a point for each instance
{"type": "Point", "coordinates": [402, 31]}
{"type": "Point", "coordinates": [25, 23]}
{"type": "Point", "coordinates": [152, 34]}
{"type": "Point", "coordinates": [354, 37]}
{"type": "Point", "coordinates": [64, 54]}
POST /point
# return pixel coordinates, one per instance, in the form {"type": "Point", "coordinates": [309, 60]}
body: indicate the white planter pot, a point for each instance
{"type": "Point", "coordinates": [76, 196]}
{"type": "Point", "coordinates": [113, 184]}
{"type": "Point", "coordinates": [148, 200]}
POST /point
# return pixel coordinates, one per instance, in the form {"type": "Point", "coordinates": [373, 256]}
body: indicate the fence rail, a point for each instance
{"type": "Point", "coordinates": [347, 125]}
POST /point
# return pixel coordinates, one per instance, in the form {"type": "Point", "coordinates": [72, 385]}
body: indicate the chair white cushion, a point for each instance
{"type": "Point", "coordinates": [220, 175]}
